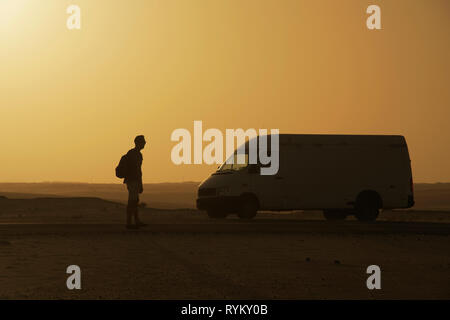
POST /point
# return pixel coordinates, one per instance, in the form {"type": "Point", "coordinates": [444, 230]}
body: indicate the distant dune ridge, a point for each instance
{"type": "Point", "coordinates": [428, 196]}
{"type": "Point", "coordinates": [157, 195]}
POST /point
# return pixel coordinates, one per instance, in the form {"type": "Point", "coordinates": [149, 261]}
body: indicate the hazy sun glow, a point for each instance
{"type": "Point", "coordinates": [10, 11]}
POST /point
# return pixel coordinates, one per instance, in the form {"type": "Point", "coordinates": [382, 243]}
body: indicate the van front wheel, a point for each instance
{"type": "Point", "coordinates": [248, 208]}
{"type": "Point", "coordinates": [334, 215]}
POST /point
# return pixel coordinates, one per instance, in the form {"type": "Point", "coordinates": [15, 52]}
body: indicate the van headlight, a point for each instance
{"type": "Point", "coordinates": [223, 191]}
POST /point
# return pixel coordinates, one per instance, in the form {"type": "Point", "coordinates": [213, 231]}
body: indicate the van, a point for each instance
{"type": "Point", "coordinates": [340, 175]}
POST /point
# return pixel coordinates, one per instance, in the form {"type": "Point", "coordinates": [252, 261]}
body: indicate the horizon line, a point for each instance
{"type": "Point", "coordinates": [165, 182]}
{"type": "Point", "coordinates": [84, 182]}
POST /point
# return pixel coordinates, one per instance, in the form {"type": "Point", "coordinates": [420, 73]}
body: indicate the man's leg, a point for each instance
{"type": "Point", "coordinates": [133, 200]}
{"type": "Point", "coordinates": [138, 221]}
{"type": "Point", "coordinates": [129, 214]}
{"type": "Point", "coordinates": [136, 187]}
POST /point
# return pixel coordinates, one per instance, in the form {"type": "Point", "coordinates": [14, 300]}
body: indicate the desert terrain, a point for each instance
{"type": "Point", "coordinates": [182, 254]}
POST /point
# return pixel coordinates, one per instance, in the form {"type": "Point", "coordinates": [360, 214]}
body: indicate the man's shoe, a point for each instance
{"type": "Point", "coordinates": [132, 226]}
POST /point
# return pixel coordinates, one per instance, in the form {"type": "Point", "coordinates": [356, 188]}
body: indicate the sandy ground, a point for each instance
{"type": "Point", "coordinates": [184, 255]}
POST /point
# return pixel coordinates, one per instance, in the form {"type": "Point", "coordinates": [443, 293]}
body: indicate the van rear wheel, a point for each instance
{"type": "Point", "coordinates": [248, 208]}
{"type": "Point", "coordinates": [367, 212]}
{"type": "Point", "coordinates": [334, 215]}
{"type": "Point", "coordinates": [368, 204]}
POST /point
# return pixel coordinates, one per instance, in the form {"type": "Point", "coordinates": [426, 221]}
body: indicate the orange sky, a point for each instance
{"type": "Point", "coordinates": [71, 102]}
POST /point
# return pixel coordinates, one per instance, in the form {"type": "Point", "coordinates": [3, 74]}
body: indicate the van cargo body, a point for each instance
{"type": "Point", "coordinates": [339, 174]}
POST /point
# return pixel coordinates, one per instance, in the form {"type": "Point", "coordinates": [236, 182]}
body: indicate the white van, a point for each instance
{"type": "Point", "coordinates": [339, 174]}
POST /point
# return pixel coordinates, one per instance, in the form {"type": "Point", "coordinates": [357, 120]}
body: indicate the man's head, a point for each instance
{"type": "Point", "coordinates": [139, 141]}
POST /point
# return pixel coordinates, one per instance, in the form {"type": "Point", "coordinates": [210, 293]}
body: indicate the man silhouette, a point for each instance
{"type": "Point", "coordinates": [133, 180]}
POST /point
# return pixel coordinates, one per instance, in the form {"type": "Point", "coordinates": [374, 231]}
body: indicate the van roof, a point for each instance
{"type": "Point", "coordinates": [341, 139]}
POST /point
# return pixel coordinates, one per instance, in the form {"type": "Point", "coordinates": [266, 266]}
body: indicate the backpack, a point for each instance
{"type": "Point", "coordinates": [122, 168]}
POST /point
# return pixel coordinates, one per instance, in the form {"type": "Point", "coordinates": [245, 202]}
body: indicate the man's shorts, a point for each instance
{"type": "Point", "coordinates": [133, 191]}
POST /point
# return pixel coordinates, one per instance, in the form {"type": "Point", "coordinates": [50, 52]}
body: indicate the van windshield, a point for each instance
{"type": "Point", "coordinates": [234, 166]}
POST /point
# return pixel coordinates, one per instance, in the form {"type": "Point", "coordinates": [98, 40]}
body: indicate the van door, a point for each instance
{"type": "Point", "coordinates": [291, 178]}
{"type": "Point", "coordinates": [270, 191]}
{"type": "Point", "coordinates": [308, 180]}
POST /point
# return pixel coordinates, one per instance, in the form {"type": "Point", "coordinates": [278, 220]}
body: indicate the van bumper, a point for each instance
{"type": "Point", "coordinates": [226, 203]}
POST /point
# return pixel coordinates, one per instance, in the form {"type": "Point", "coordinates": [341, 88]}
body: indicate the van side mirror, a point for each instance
{"type": "Point", "coordinates": [253, 169]}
